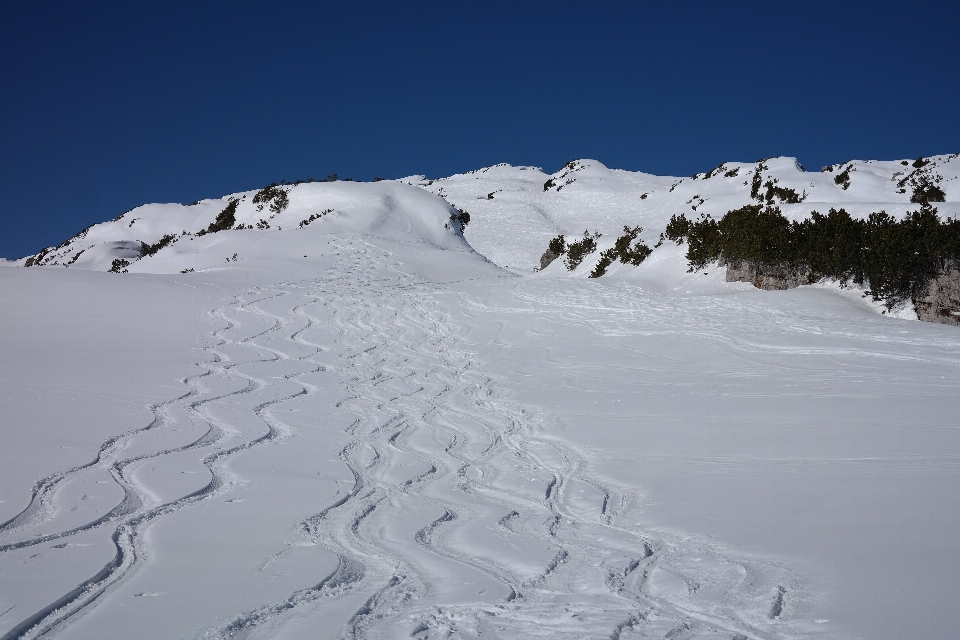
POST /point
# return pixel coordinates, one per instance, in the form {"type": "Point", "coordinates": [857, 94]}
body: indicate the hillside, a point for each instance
{"type": "Point", "coordinates": [279, 222]}
{"type": "Point", "coordinates": [319, 410]}
{"type": "Point", "coordinates": [515, 211]}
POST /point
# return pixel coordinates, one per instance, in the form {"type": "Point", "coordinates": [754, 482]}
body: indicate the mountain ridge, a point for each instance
{"type": "Point", "coordinates": [514, 210]}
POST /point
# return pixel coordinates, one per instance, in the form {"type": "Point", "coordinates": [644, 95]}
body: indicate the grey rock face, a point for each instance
{"type": "Point", "coordinates": [941, 302]}
{"type": "Point", "coordinates": [770, 277]}
{"type": "Point", "coordinates": [547, 257]}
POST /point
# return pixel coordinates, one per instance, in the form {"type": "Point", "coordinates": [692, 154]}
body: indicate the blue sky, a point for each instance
{"type": "Point", "coordinates": [106, 106]}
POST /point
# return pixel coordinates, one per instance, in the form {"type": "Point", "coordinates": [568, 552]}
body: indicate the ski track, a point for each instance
{"type": "Point", "coordinates": [565, 567]}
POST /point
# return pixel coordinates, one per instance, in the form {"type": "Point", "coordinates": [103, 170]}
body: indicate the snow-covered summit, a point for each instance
{"type": "Point", "coordinates": [282, 221]}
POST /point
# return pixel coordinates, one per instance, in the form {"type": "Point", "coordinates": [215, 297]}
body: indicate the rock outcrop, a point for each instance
{"type": "Point", "coordinates": [776, 277]}
{"type": "Point", "coordinates": [941, 302]}
{"type": "Point", "coordinates": [547, 257]}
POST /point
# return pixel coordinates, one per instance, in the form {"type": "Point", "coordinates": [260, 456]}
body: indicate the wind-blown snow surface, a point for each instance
{"type": "Point", "coordinates": [385, 435]}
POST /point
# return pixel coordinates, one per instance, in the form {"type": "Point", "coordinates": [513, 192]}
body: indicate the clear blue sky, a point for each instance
{"type": "Point", "coordinates": [106, 106]}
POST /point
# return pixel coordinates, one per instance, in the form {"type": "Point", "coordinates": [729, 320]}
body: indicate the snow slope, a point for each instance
{"type": "Point", "coordinates": [514, 226]}
{"type": "Point", "coordinates": [361, 428]}
{"type": "Point", "coordinates": [379, 209]}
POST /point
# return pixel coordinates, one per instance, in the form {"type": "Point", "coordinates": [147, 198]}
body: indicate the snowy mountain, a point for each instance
{"type": "Point", "coordinates": [519, 209]}
{"type": "Point", "coordinates": [515, 211]}
{"type": "Point", "coordinates": [353, 410]}
{"type": "Point", "coordinates": [380, 209]}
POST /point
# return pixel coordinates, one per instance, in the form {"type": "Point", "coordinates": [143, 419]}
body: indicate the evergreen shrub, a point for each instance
{"type": "Point", "coordinates": [925, 190]}
{"type": "Point", "coordinates": [842, 179]}
{"type": "Point", "coordinates": [461, 217]}
{"type": "Point", "coordinates": [272, 195]}
{"type": "Point", "coordinates": [897, 258]}
{"type": "Point", "coordinates": [558, 246]}
{"type": "Point", "coordinates": [624, 251]}
{"type": "Point", "coordinates": [577, 251]}
{"type": "Point", "coordinates": [225, 219]}
{"type": "Point", "coordinates": [150, 249]}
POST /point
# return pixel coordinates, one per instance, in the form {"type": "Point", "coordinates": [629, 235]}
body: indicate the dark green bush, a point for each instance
{"type": "Point", "coordinates": [606, 259]}
{"type": "Point", "coordinates": [843, 179]}
{"type": "Point", "coordinates": [757, 180]}
{"type": "Point", "coordinates": [925, 190]}
{"type": "Point", "coordinates": [703, 242]}
{"type": "Point", "coordinates": [274, 195]}
{"type": "Point", "coordinates": [265, 195]}
{"type": "Point", "coordinates": [225, 219]}
{"type": "Point", "coordinates": [901, 257]}
{"type": "Point", "coordinates": [119, 265]}
{"type": "Point", "coordinates": [461, 217]}
{"type": "Point", "coordinates": [150, 249]}
{"type": "Point", "coordinates": [677, 229]}
{"type": "Point", "coordinates": [713, 172]}
{"type": "Point", "coordinates": [558, 246]}
{"type": "Point", "coordinates": [280, 202]}
{"type": "Point", "coordinates": [785, 194]}
{"type": "Point", "coordinates": [756, 233]}
{"type": "Point", "coordinates": [896, 258]}
{"type": "Point", "coordinates": [36, 260]}
{"type": "Point", "coordinates": [749, 233]}
{"type": "Point", "coordinates": [314, 216]}
{"type": "Point", "coordinates": [831, 244]}
{"type": "Point", "coordinates": [577, 251]}
{"type": "Point", "coordinates": [624, 251]}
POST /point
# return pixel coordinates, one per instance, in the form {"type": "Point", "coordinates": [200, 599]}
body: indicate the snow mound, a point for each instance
{"type": "Point", "coordinates": [164, 238]}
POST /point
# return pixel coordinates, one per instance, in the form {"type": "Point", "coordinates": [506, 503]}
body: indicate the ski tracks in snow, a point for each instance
{"type": "Point", "coordinates": [185, 419]}
{"type": "Point", "coordinates": [461, 520]}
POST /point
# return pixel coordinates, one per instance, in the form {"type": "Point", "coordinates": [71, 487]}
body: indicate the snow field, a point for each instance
{"type": "Point", "coordinates": [413, 500]}
{"type": "Point", "coordinates": [385, 435]}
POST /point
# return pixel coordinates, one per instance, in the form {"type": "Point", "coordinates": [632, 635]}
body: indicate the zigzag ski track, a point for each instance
{"type": "Point", "coordinates": [445, 515]}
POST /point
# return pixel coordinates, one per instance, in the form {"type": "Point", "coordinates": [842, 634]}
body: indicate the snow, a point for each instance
{"type": "Point", "coordinates": [380, 209]}
{"type": "Point", "coordinates": [515, 226]}
{"type": "Point", "coordinates": [366, 428]}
